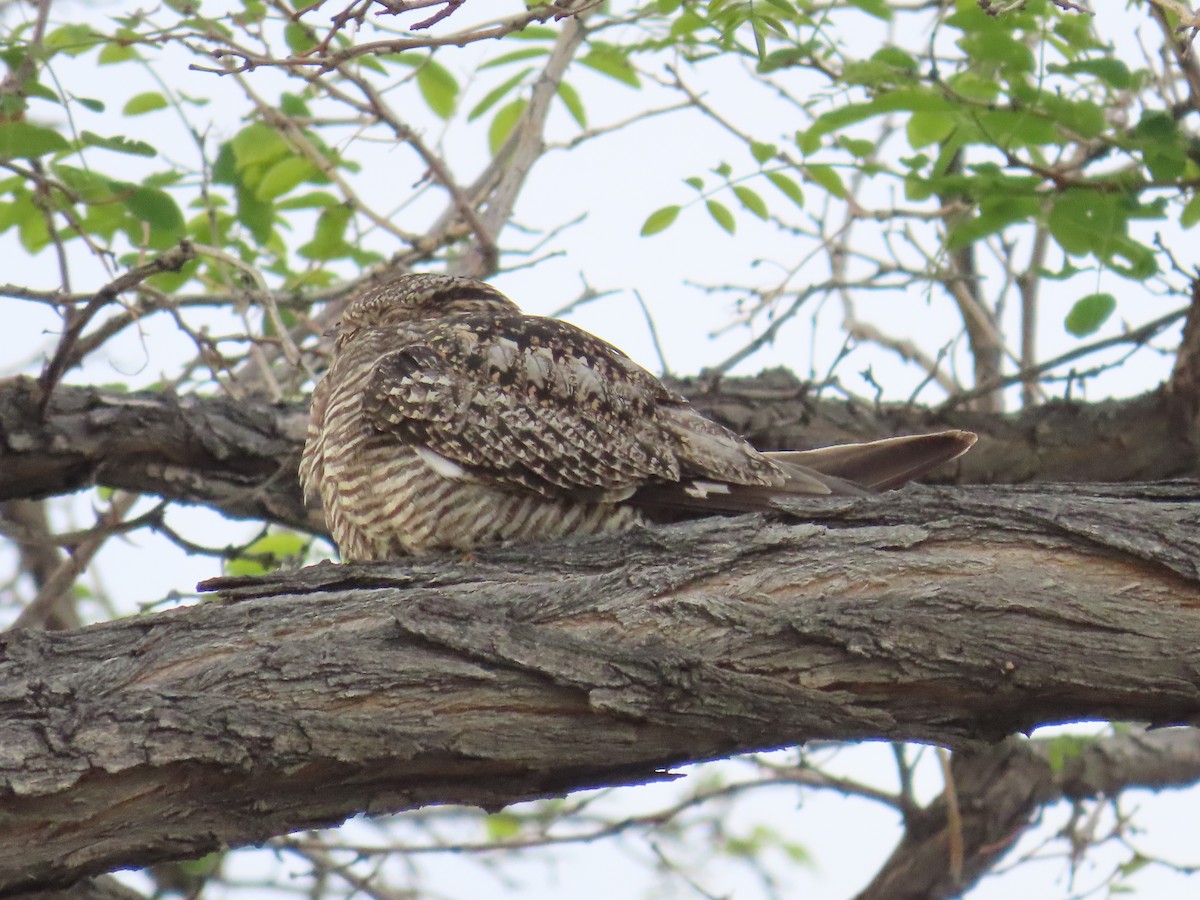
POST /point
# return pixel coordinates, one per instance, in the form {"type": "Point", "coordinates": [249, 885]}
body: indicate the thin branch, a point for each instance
{"type": "Point", "coordinates": [48, 598]}
{"type": "Point", "coordinates": [954, 821]}
{"type": "Point", "coordinates": [234, 59]}
{"type": "Point", "coordinates": [1138, 336]}
{"type": "Point", "coordinates": [169, 261]}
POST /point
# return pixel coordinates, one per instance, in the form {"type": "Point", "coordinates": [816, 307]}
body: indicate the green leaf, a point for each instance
{"type": "Point", "coordinates": [971, 85]}
{"type": "Point", "coordinates": [1162, 146]}
{"type": "Point", "coordinates": [257, 215]}
{"type": "Point", "coordinates": [505, 120]}
{"type": "Point", "coordinates": [1089, 313]}
{"type": "Point", "coordinates": [91, 186]}
{"type": "Point", "coordinates": [253, 11]}
{"type": "Point", "coordinates": [610, 60]}
{"type": "Point", "coordinates": [41, 92]}
{"type": "Point", "coordinates": [1191, 213]}
{"type": "Point", "coordinates": [660, 220]}
{"type": "Point", "coordinates": [72, 39]}
{"type": "Point", "coordinates": [827, 178]}
{"type": "Point", "coordinates": [1063, 748]}
{"type": "Point", "coordinates": [1007, 128]}
{"type": "Point", "coordinates": [105, 219]}
{"type": "Point", "coordinates": [293, 105]}
{"type": "Point", "coordinates": [776, 59]}
{"type": "Point", "coordinates": [789, 188]}
{"type": "Point", "coordinates": [114, 52]}
{"type": "Point", "coordinates": [283, 176]}
{"type": "Point", "coordinates": [90, 103]}
{"type": "Point", "coordinates": [299, 38]}
{"type": "Point", "coordinates": [687, 22]}
{"type": "Point", "coordinates": [914, 100]}
{"type": "Point", "coordinates": [836, 120]}
{"type": "Point", "coordinates": [1008, 53]}
{"type": "Point", "coordinates": [438, 87]}
{"type": "Point", "coordinates": [21, 140]}
{"type": "Point", "coordinates": [33, 231]}
{"type": "Point", "coordinates": [492, 97]}
{"type": "Point", "coordinates": [205, 866]}
{"type": "Point", "coordinates": [1084, 222]}
{"type": "Point", "coordinates": [16, 211]}
{"type": "Point", "coordinates": [857, 147]}
{"type": "Point", "coordinates": [156, 208]}
{"type": "Point", "coordinates": [329, 239]}
{"type": "Point", "coordinates": [1083, 117]}
{"type": "Point", "coordinates": [258, 143]}
{"type": "Point", "coordinates": [1107, 69]}
{"type": "Point", "coordinates": [570, 98]}
{"type": "Point", "coordinates": [1135, 864]}
{"type": "Point", "coordinates": [877, 8]}
{"type": "Point", "coordinates": [144, 103]}
{"type": "Point", "coordinates": [996, 212]}
{"type": "Point", "coordinates": [896, 58]}
{"type": "Point", "coordinates": [695, 182]}
{"type": "Point", "coordinates": [118, 144]}
{"type": "Point", "coordinates": [1140, 260]}
{"type": "Point", "coordinates": [760, 38]}
{"type": "Point", "coordinates": [515, 56]}
{"type": "Point", "coordinates": [501, 826]}
{"type": "Point", "coordinates": [751, 201]}
{"type": "Point", "coordinates": [762, 152]}
{"type": "Point", "coordinates": [533, 33]}
{"type": "Point", "coordinates": [309, 200]}
{"type": "Point", "coordinates": [267, 554]}
{"type": "Point", "coordinates": [170, 282]}
{"type": "Point", "coordinates": [721, 215]}
{"type": "Point", "coordinates": [224, 168]}
{"type": "Point", "coordinates": [929, 127]}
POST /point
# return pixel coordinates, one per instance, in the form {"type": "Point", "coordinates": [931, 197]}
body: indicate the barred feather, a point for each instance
{"type": "Point", "coordinates": [449, 420]}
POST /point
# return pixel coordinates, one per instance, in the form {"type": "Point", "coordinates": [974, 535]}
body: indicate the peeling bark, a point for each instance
{"type": "Point", "coordinates": [953, 616]}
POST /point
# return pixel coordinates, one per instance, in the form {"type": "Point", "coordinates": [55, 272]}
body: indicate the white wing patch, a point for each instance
{"type": "Point", "coordinates": [701, 489]}
{"type": "Point", "coordinates": [447, 468]}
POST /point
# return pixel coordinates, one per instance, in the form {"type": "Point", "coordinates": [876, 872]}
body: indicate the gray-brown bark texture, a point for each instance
{"type": "Point", "coordinates": [952, 615]}
{"type": "Point", "coordinates": [240, 457]}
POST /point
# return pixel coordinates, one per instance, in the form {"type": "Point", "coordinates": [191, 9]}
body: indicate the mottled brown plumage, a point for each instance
{"type": "Point", "coordinates": [449, 420]}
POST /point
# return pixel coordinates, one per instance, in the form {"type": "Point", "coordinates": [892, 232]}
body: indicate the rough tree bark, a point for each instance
{"type": "Point", "coordinates": [957, 616]}
{"type": "Point", "coordinates": [240, 457]}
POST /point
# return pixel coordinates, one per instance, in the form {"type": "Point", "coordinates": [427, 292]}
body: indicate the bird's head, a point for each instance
{"type": "Point", "coordinates": [420, 295]}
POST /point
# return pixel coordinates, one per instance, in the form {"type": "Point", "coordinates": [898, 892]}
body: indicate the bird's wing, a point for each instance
{"type": "Point", "coordinates": [844, 470]}
{"type": "Point", "coordinates": [526, 403]}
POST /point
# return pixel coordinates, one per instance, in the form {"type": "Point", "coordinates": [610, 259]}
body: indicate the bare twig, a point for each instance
{"type": "Point", "coordinates": [1137, 336]}
{"type": "Point", "coordinates": [51, 594]}
{"type": "Point", "coordinates": [168, 261]}
{"type": "Point", "coordinates": [954, 822]}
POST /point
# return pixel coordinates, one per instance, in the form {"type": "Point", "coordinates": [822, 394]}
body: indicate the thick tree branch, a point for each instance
{"type": "Point", "coordinates": [954, 616]}
{"type": "Point", "coordinates": [240, 457]}
{"type": "Point", "coordinates": [1001, 789]}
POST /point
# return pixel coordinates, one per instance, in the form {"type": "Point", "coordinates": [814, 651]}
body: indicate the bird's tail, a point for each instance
{"type": "Point", "coordinates": [844, 469]}
{"type": "Point", "coordinates": [877, 465]}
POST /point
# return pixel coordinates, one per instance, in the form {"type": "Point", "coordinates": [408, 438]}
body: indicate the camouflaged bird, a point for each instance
{"type": "Point", "coordinates": [449, 420]}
